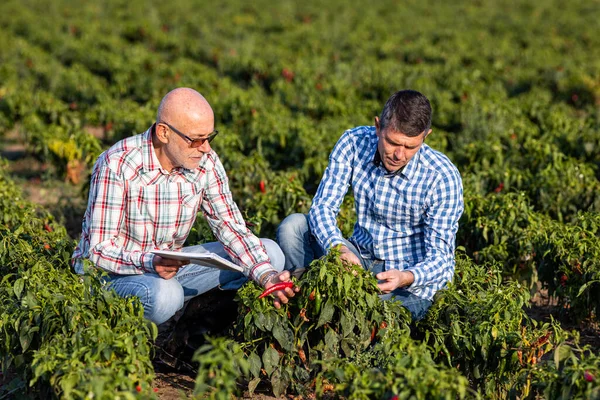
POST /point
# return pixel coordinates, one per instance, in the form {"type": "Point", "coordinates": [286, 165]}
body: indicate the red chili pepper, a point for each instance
{"type": "Point", "coordinates": [276, 287]}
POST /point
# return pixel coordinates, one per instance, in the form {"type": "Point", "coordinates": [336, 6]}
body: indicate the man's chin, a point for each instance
{"type": "Point", "coordinates": [194, 163]}
{"type": "Point", "coordinates": [392, 169]}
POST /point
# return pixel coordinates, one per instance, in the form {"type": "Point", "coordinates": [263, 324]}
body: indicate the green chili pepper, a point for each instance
{"type": "Point", "coordinates": [318, 300]}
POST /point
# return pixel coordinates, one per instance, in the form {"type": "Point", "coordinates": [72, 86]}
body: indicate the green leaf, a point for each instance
{"type": "Point", "coordinates": [279, 382]}
{"type": "Point", "coordinates": [347, 323]}
{"type": "Point", "coordinates": [332, 341]}
{"type": "Point", "coordinates": [562, 352]}
{"type": "Point", "coordinates": [271, 317]}
{"type": "Point", "coordinates": [252, 385]}
{"type": "Point", "coordinates": [18, 287]}
{"type": "Point", "coordinates": [348, 281]}
{"type": "Point", "coordinates": [247, 320]}
{"type": "Point", "coordinates": [260, 321]}
{"type": "Point", "coordinates": [494, 332]}
{"type": "Point", "coordinates": [584, 287]}
{"type": "Point", "coordinates": [25, 338]}
{"type": "Point", "coordinates": [255, 364]}
{"type": "Point", "coordinates": [326, 314]}
{"type": "Point", "coordinates": [284, 336]}
{"type": "Point", "coordinates": [270, 360]}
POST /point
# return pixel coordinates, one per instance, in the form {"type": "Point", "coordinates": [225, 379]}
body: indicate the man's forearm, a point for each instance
{"type": "Point", "coordinates": [116, 260]}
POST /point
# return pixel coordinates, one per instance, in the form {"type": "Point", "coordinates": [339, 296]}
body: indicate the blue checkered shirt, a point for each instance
{"type": "Point", "coordinates": [408, 219]}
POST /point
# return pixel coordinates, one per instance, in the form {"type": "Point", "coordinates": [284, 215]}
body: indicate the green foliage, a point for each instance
{"type": "Point", "coordinates": [58, 331]}
{"type": "Point", "coordinates": [395, 367]}
{"type": "Point", "coordinates": [478, 325]}
{"type": "Point", "coordinates": [530, 246]}
{"type": "Point", "coordinates": [568, 257]}
{"type": "Point", "coordinates": [515, 99]}
{"type": "Point", "coordinates": [572, 373]}
{"type": "Point", "coordinates": [222, 366]}
{"type": "Point", "coordinates": [336, 314]}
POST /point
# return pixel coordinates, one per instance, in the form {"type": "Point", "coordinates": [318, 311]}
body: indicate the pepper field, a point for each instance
{"type": "Point", "coordinates": [515, 89]}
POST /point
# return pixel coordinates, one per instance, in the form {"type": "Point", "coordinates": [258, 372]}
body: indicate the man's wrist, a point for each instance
{"type": "Point", "coordinates": [147, 262]}
{"type": "Point", "coordinates": [410, 278]}
{"type": "Point", "coordinates": [266, 277]}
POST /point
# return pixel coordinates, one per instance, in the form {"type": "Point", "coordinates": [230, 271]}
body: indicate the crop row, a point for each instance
{"type": "Point", "coordinates": [61, 334]}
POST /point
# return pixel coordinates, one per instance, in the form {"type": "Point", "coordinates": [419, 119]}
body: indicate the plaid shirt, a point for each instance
{"type": "Point", "coordinates": [408, 218]}
{"type": "Point", "coordinates": [136, 206]}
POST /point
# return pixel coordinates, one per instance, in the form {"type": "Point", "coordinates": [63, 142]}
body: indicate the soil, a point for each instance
{"type": "Point", "coordinates": [544, 307]}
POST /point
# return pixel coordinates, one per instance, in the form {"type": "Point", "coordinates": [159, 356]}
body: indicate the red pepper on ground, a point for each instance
{"type": "Point", "coordinates": [276, 287]}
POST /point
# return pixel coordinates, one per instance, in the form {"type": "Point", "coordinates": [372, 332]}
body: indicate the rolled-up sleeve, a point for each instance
{"type": "Point", "coordinates": [441, 225]}
{"type": "Point", "coordinates": [228, 225]}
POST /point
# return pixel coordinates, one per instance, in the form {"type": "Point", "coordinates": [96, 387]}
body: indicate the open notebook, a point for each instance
{"type": "Point", "coordinates": [204, 259]}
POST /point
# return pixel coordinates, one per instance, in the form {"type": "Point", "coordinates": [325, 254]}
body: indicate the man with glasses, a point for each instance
{"type": "Point", "coordinates": [408, 199]}
{"type": "Point", "coordinates": [145, 193]}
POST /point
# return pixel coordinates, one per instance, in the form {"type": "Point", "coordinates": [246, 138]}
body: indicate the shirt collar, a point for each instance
{"type": "Point", "coordinates": [407, 171]}
{"type": "Point", "coordinates": [377, 162]}
{"type": "Point", "coordinates": [150, 160]}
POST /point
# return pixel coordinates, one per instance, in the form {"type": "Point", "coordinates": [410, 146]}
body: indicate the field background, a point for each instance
{"type": "Point", "coordinates": [514, 85]}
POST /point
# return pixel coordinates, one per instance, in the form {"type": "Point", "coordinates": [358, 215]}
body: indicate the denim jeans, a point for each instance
{"type": "Point", "coordinates": [300, 247]}
{"type": "Point", "coordinates": [162, 298]}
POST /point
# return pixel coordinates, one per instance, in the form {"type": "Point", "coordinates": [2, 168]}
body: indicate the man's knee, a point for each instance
{"type": "Point", "coordinates": [169, 299]}
{"type": "Point", "coordinates": [293, 226]}
{"type": "Point", "coordinates": [275, 254]}
{"type": "Point", "coordinates": [160, 298]}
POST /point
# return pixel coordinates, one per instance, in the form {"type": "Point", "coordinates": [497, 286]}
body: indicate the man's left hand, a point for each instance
{"type": "Point", "coordinates": [394, 279]}
{"type": "Point", "coordinates": [282, 296]}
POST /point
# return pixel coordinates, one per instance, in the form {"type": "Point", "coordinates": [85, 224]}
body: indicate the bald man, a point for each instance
{"type": "Point", "coordinates": [145, 193]}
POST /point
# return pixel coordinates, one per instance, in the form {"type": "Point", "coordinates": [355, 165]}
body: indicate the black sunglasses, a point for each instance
{"type": "Point", "coordinates": [193, 142]}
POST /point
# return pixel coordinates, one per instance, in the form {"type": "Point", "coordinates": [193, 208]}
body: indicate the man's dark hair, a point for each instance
{"type": "Point", "coordinates": [408, 112]}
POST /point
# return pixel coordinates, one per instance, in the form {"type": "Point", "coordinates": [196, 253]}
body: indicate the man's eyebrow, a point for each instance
{"type": "Point", "coordinates": [207, 135]}
{"type": "Point", "coordinates": [387, 139]}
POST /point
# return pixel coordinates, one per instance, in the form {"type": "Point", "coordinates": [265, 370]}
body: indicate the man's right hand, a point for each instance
{"type": "Point", "coordinates": [348, 256]}
{"type": "Point", "coordinates": [167, 268]}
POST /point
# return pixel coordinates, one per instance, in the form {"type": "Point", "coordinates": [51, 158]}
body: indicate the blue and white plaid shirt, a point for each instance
{"type": "Point", "coordinates": [408, 219]}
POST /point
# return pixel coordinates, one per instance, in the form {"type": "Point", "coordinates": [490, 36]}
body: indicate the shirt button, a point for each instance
{"type": "Point", "coordinates": [376, 246]}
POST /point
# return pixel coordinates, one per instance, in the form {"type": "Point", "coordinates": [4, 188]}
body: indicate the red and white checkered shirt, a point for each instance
{"type": "Point", "coordinates": [136, 206]}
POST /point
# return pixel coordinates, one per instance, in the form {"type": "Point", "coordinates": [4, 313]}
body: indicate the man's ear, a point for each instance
{"type": "Point", "coordinates": [377, 123]}
{"type": "Point", "coordinates": [427, 134]}
{"type": "Point", "coordinates": [161, 132]}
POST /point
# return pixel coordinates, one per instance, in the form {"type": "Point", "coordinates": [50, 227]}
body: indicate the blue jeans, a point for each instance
{"type": "Point", "coordinates": [300, 248]}
{"type": "Point", "coordinates": [162, 298]}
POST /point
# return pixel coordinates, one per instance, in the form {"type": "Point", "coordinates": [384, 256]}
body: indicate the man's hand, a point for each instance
{"type": "Point", "coordinates": [348, 256]}
{"type": "Point", "coordinates": [394, 279]}
{"type": "Point", "coordinates": [282, 296]}
{"type": "Point", "coordinates": [167, 268]}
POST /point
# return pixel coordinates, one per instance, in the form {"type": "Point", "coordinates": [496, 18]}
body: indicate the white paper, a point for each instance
{"type": "Point", "coordinates": [205, 259]}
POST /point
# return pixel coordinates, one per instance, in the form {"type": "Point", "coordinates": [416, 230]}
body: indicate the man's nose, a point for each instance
{"type": "Point", "coordinates": [205, 148]}
{"type": "Point", "coordinates": [399, 153]}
